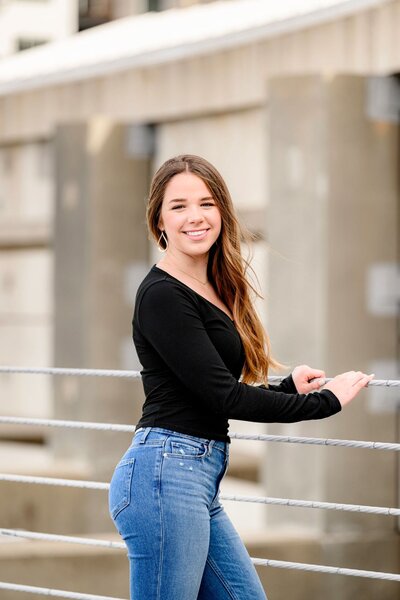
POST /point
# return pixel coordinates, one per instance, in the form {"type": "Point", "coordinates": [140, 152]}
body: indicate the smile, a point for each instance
{"type": "Point", "coordinates": [197, 234]}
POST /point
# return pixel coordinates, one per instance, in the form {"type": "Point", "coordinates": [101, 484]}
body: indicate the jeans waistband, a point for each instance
{"type": "Point", "coordinates": [150, 433]}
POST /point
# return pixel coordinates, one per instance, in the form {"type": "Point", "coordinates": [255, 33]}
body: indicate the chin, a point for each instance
{"type": "Point", "coordinates": [202, 249]}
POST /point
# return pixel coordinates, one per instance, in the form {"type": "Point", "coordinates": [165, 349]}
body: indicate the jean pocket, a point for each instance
{"type": "Point", "coordinates": [119, 496]}
{"type": "Point", "coordinates": [186, 449]}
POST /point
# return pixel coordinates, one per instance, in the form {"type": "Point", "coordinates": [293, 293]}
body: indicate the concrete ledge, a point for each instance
{"type": "Point", "coordinates": [22, 433]}
{"type": "Point", "coordinates": [244, 465]}
{"type": "Point", "coordinates": [63, 566]}
{"type": "Point", "coordinates": [367, 552]}
{"type": "Point", "coordinates": [19, 234]}
{"type": "Point", "coordinates": [36, 459]}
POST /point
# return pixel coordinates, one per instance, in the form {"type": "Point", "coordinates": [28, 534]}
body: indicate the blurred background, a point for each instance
{"type": "Point", "coordinates": [297, 103]}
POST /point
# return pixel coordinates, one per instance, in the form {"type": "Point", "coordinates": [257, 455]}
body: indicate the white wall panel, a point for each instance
{"type": "Point", "coordinates": [234, 142]}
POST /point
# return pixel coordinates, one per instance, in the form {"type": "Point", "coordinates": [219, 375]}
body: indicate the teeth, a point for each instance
{"type": "Point", "coordinates": [195, 233]}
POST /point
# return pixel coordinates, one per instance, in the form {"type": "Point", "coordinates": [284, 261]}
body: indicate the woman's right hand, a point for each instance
{"type": "Point", "coordinates": [347, 385]}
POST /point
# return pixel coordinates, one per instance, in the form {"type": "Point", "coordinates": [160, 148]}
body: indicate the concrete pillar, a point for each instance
{"type": "Point", "coordinates": [100, 258]}
{"type": "Point", "coordinates": [333, 231]}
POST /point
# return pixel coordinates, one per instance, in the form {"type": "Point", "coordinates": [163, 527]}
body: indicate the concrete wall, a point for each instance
{"type": "Point", "coordinates": [26, 329]}
{"type": "Point", "coordinates": [26, 192]}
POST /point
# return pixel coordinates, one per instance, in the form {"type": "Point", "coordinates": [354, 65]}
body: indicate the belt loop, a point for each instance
{"type": "Point", "coordinates": [210, 447]}
{"type": "Point", "coordinates": [145, 434]}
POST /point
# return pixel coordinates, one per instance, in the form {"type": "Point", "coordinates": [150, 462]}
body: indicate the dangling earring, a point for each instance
{"type": "Point", "coordinates": [163, 237]}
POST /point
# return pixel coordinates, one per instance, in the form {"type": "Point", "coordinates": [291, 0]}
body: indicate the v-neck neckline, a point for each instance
{"type": "Point", "coordinates": [194, 291]}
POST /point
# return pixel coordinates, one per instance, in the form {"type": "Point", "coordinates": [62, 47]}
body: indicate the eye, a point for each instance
{"type": "Point", "coordinates": [177, 206]}
{"type": "Point", "coordinates": [208, 204]}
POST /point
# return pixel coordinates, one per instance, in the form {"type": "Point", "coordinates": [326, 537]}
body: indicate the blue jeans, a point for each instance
{"type": "Point", "coordinates": [164, 501]}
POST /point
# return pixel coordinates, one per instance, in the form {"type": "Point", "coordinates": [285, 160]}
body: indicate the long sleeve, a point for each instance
{"type": "Point", "coordinates": [286, 385]}
{"type": "Point", "coordinates": [169, 318]}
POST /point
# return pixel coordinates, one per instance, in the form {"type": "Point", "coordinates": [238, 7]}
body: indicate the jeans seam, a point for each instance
{"type": "Point", "coordinates": [225, 468]}
{"type": "Point", "coordinates": [160, 511]}
{"type": "Point", "coordinates": [218, 573]}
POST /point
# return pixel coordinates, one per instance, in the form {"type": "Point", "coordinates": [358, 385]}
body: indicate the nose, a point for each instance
{"type": "Point", "coordinates": [195, 215]}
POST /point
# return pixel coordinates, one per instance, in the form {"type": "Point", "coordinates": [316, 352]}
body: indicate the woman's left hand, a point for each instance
{"type": "Point", "coordinates": [307, 379]}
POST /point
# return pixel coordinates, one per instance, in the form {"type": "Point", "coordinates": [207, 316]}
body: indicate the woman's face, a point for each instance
{"type": "Point", "coordinates": [189, 215]}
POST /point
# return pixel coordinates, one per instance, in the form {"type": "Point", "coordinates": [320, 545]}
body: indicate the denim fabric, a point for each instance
{"type": "Point", "coordinates": [164, 501]}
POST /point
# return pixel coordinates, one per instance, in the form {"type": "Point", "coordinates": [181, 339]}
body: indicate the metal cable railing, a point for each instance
{"type": "Point", "coordinates": [99, 485]}
{"type": "Point", "coordinates": [103, 486]}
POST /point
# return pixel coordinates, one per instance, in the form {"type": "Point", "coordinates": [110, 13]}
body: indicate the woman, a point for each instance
{"type": "Point", "coordinates": [196, 333]}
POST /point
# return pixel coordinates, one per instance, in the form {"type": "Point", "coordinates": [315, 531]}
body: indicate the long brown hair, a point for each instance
{"type": "Point", "coordinates": [226, 266]}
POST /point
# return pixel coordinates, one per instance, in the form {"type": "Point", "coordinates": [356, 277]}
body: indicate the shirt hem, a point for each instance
{"type": "Point", "coordinates": [220, 437]}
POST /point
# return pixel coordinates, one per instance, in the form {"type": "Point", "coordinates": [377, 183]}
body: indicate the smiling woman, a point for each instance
{"type": "Point", "coordinates": [201, 344]}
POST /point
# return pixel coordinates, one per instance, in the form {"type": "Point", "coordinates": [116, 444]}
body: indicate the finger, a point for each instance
{"type": "Point", "coordinates": [347, 375]}
{"type": "Point", "coordinates": [316, 377]}
{"type": "Point", "coordinates": [363, 381]}
{"type": "Point", "coordinates": [317, 383]}
{"type": "Point", "coordinates": [357, 377]}
{"type": "Point", "coordinates": [312, 373]}
{"type": "Point", "coordinates": [370, 378]}
{"type": "Point", "coordinates": [315, 373]}
{"type": "Point", "coordinates": [313, 384]}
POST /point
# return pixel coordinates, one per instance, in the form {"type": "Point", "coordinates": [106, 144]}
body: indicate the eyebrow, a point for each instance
{"type": "Point", "coordinates": [184, 199]}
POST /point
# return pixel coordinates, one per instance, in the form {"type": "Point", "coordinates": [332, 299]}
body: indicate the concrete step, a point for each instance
{"type": "Point", "coordinates": [62, 566]}
{"type": "Point", "coordinates": [23, 433]}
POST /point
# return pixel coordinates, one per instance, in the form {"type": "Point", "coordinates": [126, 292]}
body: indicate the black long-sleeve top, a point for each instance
{"type": "Point", "coordinates": [192, 358]}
